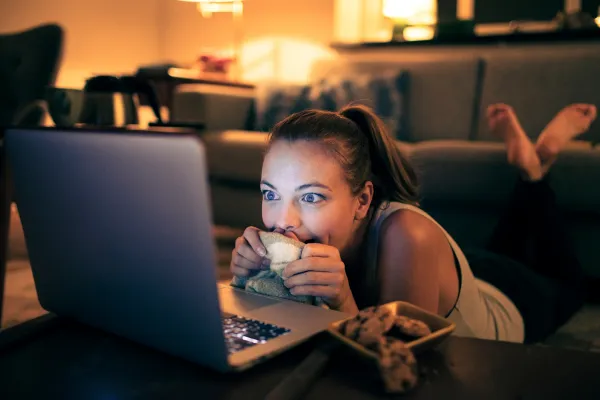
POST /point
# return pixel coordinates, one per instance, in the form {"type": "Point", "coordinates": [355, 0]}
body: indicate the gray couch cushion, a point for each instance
{"type": "Point", "coordinates": [441, 94]}
{"type": "Point", "coordinates": [477, 174]}
{"type": "Point", "coordinates": [217, 107]}
{"type": "Point", "coordinates": [538, 85]}
{"type": "Point", "coordinates": [451, 171]}
{"type": "Point", "coordinates": [235, 156]}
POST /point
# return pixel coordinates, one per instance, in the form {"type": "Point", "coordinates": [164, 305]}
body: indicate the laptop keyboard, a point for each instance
{"type": "Point", "coordinates": [241, 333]}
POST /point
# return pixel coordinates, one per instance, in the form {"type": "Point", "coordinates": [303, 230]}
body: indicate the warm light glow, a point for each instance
{"type": "Point", "coordinates": [348, 20]}
{"type": "Point", "coordinates": [413, 33]}
{"type": "Point", "coordinates": [465, 9]}
{"type": "Point", "coordinates": [281, 59]}
{"type": "Point", "coordinates": [414, 12]}
{"type": "Point", "coordinates": [208, 7]}
{"type": "Point", "coordinates": [244, 136]}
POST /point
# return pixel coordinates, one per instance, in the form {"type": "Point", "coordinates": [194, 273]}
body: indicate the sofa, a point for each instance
{"type": "Point", "coordinates": [465, 180]}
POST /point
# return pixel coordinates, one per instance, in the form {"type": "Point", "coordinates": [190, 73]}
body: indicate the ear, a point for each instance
{"type": "Point", "coordinates": [364, 198]}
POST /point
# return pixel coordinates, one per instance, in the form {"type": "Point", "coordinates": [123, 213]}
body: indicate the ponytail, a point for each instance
{"type": "Point", "coordinates": [392, 174]}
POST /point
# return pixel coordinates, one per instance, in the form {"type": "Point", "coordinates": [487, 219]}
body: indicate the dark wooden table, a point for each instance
{"type": "Point", "coordinates": [55, 358]}
{"type": "Point", "coordinates": [166, 81]}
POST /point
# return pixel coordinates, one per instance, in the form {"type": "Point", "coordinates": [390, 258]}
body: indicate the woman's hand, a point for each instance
{"type": "Point", "coordinates": [321, 272]}
{"type": "Point", "coordinates": [248, 256]}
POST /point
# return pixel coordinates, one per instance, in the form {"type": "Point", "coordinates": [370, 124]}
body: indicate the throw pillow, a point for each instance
{"type": "Point", "coordinates": [386, 94]}
{"type": "Point", "coordinates": [276, 102]}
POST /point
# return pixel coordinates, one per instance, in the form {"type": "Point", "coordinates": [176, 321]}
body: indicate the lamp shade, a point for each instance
{"type": "Point", "coordinates": [413, 12]}
{"type": "Point", "coordinates": [207, 7]}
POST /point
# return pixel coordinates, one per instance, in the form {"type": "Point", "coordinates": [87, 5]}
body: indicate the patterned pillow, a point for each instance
{"type": "Point", "coordinates": [276, 102]}
{"type": "Point", "coordinates": [325, 97]}
{"type": "Point", "coordinates": [385, 93]}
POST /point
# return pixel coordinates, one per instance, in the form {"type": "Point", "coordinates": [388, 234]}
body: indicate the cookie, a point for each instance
{"type": "Point", "coordinates": [281, 250]}
{"type": "Point", "coordinates": [351, 328]}
{"type": "Point", "coordinates": [369, 334]}
{"type": "Point", "coordinates": [411, 327]}
{"type": "Point", "coordinates": [399, 378]}
{"type": "Point", "coordinates": [386, 318]}
{"type": "Point", "coordinates": [398, 366]}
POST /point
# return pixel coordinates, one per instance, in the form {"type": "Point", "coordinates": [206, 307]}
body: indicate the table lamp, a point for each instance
{"type": "Point", "coordinates": [412, 19]}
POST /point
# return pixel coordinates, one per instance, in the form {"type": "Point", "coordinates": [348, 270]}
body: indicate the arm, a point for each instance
{"type": "Point", "coordinates": [411, 250]}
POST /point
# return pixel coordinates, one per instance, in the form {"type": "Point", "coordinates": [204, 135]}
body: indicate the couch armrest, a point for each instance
{"type": "Point", "coordinates": [217, 107]}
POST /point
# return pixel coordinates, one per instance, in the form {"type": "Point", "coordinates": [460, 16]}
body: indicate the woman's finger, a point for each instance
{"type": "Point", "coordinates": [245, 263]}
{"type": "Point", "coordinates": [312, 264]}
{"type": "Point", "coordinates": [248, 253]}
{"type": "Point", "coordinates": [314, 278]}
{"type": "Point", "coordinates": [314, 290]}
{"type": "Point", "coordinates": [251, 236]}
{"type": "Point", "coordinates": [240, 271]}
{"type": "Point", "coordinates": [319, 250]}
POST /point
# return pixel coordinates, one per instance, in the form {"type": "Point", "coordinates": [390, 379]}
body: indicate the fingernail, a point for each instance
{"type": "Point", "coordinates": [262, 252]}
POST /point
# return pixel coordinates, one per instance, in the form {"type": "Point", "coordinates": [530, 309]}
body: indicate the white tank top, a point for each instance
{"type": "Point", "coordinates": [481, 311]}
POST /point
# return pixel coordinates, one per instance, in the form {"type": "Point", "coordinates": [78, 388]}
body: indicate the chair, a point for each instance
{"type": "Point", "coordinates": [29, 62]}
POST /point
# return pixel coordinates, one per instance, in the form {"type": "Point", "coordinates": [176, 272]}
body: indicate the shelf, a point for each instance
{"type": "Point", "coordinates": [515, 38]}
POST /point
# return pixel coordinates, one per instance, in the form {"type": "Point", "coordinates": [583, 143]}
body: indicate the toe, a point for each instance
{"type": "Point", "coordinates": [494, 109]}
{"type": "Point", "coordinates": [584, 108]}
{"type": "Point", "coordinates": [592, 112]}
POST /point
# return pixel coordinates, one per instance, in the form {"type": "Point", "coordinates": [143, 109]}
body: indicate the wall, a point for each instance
{"type": "Point", "coordinates": [186, 32]}
{"type": "Point", "coordinates": [281, 38]}
{"type": "Point", "coordinates": [101, 36]}
{"type": "Point", "coordinates": [116, 36]}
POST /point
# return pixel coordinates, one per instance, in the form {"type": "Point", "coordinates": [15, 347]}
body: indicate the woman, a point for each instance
{"type": "Point", "coordinates": [337, 182]}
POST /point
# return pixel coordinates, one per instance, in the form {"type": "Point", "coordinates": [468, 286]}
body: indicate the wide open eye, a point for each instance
{"type": "Point", "coordinates": [269, 195]}
{"type": "Point", "coordinates": [313, 198]}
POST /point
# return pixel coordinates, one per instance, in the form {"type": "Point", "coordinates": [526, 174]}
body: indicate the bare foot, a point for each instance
{"type": "Point", "coordinates": [570, 122]}
{"type": "Point", "coordinates": [520, 151]}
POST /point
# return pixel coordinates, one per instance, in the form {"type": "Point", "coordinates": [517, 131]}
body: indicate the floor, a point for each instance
{"type": "Point", "coordinates": [21, 303]}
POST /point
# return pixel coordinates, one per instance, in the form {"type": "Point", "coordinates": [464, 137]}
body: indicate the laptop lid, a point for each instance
{"type": "Point", "coordinates": [119, 233]}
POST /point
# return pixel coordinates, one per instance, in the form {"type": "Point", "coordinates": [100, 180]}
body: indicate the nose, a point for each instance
{"type": "Point", "coordinates": [288, 218]}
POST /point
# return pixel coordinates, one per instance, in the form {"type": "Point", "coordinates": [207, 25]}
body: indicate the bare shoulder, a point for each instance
{"type": "Point", "coordinates": [412, 252]}
{"type": "Point", "coordinates": [408, 229]}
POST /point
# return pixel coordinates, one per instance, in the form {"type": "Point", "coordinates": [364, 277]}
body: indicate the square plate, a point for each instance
{"type": "Point", "coordinates": [440, 327]}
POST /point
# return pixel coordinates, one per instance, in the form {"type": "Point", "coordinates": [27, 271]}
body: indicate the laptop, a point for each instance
{"type": "Point", "coordinates": [119, 233]}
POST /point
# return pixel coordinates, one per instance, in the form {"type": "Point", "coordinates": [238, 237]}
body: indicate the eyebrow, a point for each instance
{"type": "Point", "coordinates": [301, 187]}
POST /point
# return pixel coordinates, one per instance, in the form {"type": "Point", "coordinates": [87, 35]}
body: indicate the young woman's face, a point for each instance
{"type": "Point", "coordinates": [306, 195]}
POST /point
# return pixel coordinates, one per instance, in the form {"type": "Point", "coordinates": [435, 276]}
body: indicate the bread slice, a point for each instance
{"type": "Point", "coordinates": [281, 250]}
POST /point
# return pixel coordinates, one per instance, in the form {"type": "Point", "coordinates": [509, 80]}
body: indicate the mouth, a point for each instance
{"type": "Point", "coordinates": [292, 235]}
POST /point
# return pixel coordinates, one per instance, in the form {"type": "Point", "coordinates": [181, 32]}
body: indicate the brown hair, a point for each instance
{"type": "Point", "coordinates": [360, 142]}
